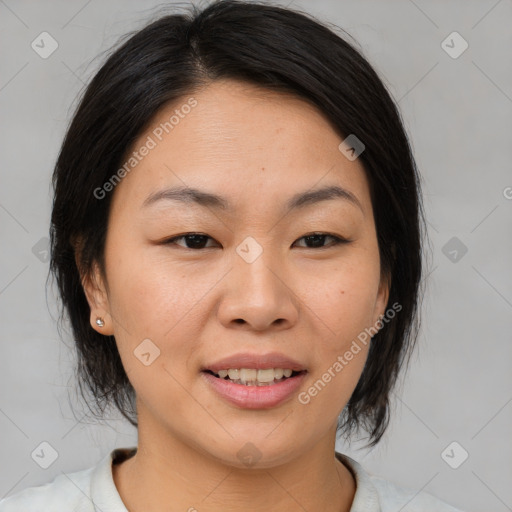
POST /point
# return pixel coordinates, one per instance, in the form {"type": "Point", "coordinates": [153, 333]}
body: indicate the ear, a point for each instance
{"type": "Point", "coordinates": [382, 297]}
{"type": "Point", "coordinates": [384, 288]}
{"type": "Point", "coordinates": [95, 289]}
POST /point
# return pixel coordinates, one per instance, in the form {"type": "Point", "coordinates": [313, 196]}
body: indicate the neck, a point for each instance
{"type": "Point", "coordinates": [173, 475]}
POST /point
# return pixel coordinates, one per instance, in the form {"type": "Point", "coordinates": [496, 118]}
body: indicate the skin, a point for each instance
{"type": "Point", "coordinates": [256, 148]}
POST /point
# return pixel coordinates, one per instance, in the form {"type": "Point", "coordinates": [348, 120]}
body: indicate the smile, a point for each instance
{"type": "Point", "coordinates": [248, 392]}
{"type": "Point", "coordinates": [254, 377]}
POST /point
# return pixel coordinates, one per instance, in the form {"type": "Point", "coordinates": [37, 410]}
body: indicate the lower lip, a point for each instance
{"type": "Point", "coordinates": [255, 397]}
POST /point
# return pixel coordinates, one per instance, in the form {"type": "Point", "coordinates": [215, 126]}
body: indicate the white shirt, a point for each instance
{"type": "Point", "coordinates": [94, 490]}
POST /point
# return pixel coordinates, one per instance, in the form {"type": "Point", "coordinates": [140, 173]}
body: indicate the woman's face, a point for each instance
{"type": "Point", "coordinates": [253, 284]}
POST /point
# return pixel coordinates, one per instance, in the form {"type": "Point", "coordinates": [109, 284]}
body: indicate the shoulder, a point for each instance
{"type": "Point", "coordinates": [377, 494]}
{"type": "Point", "coordinates": [67, 492]}
{"type": "Point", "coordinates": [82, 491]}
{"type": "Point", "coordinates": [392, 495]}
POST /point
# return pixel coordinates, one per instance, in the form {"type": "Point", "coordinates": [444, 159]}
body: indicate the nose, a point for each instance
{"type": "Point", "coordinates": [258, 296]}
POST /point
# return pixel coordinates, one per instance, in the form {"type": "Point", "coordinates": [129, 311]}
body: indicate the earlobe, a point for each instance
{"type": "Point", "coordinates": [96, 295]}
{"type": "Point", "coordinates": [102, 323]}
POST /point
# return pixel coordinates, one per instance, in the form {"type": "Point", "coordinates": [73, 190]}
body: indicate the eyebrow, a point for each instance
{"type": "Point", "coordinates": [191, 195]}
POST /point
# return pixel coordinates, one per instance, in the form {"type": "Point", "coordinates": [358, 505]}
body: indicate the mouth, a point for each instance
{"type": "Point", "coordinates": [255, 377]}
{"type": "Point", "coordinates": [255, 381]}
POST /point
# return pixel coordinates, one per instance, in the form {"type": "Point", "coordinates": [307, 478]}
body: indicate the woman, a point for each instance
{"type": "Point", "coordinates": [236, 237]}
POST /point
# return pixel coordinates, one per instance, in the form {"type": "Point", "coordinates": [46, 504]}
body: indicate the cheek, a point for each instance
{"type": "Point", "coordinates": [340, 354]}
{"type": "Point", "coordinates": [150, 298]}
{"type": "Point", "coordinates": [345, 302]}
{"type": "Point", "coordinates": [157, 328]}
{"type": "Point", "coordinates": [155, 324]}
{"type": "Point", "coordinates": [344, 306]}
{"type": "Point", "coordinates": [332, 382]}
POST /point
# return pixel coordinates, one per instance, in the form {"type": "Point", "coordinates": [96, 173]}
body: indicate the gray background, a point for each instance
{"type": "Point", "coordinates": [458, 112]}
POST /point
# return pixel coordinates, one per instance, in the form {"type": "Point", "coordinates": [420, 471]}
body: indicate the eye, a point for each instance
{"type": "Point", "coordinates": [192, 240]}
{"type": "Point", "coordinates": [317, 240]}
{"type": "Point", "coordinates": [198, 241]}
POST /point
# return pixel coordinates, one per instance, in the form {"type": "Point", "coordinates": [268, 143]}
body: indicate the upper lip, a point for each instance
{"type": "Point", "coordinates": [255, 361]}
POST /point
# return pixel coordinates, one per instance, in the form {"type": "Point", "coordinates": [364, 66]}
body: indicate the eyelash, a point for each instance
{"type": "Point", "coordinates": [336, 240]}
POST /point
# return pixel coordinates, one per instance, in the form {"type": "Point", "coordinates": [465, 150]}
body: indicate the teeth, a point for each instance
{"type": "Point", "coordinates": [265, 375]}
{"type": "Point", "coordinates": [233, 374]}
{"type": "Point", "coordinates": [248, 375]}
{"type": "Point", "coordinates": [253, 377]}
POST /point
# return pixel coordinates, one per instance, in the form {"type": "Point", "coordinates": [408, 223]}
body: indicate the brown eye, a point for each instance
{"type": "Point", "coordinates": [317, 240]}
{"type": "Point", "coordinates": [192, 241]}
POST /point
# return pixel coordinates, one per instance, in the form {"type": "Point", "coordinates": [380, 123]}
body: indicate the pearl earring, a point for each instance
{"type": "Point", "coordinates": [100, 322]}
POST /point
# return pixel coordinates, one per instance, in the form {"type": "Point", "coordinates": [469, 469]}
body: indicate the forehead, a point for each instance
{"type": "Point", "coordinates": [240, 141]}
